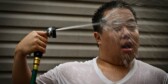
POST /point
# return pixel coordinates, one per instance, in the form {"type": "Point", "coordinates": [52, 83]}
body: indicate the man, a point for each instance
{"type": "Point", "coordinates": [117, 37]}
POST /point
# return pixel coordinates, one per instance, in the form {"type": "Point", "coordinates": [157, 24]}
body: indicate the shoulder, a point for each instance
{"type": "Point", "coordinates": [150, 72]}
{"type": "Point", "coordinates": [147, 66]}
{"type": "Point", "coordinates": [150, 69]}
{"type": "Point", "coordinates": [74, 66]}
{"type": "Point", "coordinates": [70, 70]}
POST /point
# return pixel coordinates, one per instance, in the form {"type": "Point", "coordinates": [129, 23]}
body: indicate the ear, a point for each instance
{"type": "Point", "coordinates": [97, 37]}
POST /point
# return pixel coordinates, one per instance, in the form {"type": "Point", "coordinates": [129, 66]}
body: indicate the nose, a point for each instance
{"type": "Point", "coordinates": [125, 33]}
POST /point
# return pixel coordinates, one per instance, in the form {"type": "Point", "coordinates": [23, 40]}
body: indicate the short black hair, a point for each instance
{"type": "Point", "coordinates": [97, 17]}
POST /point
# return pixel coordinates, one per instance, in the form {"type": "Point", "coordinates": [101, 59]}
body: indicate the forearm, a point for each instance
{"type": "Point", "coordinates": [21, 73]}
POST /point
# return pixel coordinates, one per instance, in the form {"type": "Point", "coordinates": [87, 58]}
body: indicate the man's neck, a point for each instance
{"type": "Point", "coordinates": [112, 65]}
{"type": "Point", "coordinates": [112, 71]}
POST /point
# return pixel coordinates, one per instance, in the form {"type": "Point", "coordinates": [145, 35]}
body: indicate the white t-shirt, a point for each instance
{"type": "Point", "coordinates": [88, 72]}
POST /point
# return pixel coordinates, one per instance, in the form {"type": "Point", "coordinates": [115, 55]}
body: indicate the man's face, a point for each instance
{"type": "Point", "coordinates": [120, 36]}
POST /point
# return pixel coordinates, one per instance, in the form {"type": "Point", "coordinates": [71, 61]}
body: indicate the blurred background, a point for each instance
{"type": "Point", "coordinates": [18, 18]}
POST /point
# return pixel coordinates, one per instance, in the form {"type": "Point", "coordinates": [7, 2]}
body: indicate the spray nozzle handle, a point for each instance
{"type": "Point", "coordinates": [51, 32]}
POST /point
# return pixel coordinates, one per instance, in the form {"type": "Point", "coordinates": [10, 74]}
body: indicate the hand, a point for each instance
{"type": "Point", "coordinates": [34, 41]}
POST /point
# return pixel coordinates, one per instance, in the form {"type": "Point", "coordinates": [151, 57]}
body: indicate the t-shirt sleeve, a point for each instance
{"type": "Point", "coordinates": [59, 75]}
{"type": "Point", "coordinates": [50, 77]}
{"type": "Point", "coordinates": [166, 80]}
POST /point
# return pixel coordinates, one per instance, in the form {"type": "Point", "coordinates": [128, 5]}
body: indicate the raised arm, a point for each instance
{"type": "Point", "coordinates": [34, 41]}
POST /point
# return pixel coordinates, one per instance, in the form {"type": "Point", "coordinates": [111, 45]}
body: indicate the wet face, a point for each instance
{"type": "Point", "coordinates": [119, 40]}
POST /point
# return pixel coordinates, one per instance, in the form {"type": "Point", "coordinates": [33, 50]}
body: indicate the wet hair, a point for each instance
{"type": "Point", "coordinates": [99, 14]}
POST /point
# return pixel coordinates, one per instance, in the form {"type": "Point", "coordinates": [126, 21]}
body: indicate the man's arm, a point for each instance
{"type": "Point", "coordinates": [34, 41]}
{"type": "Point", "coordinates": [21, 72]}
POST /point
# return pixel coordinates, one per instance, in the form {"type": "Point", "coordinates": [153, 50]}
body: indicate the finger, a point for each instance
{"type": "Point", "coordinates": [43, 50]}
{"type": "Point", "coordinates": [44, 39]}
{"type": "Point", "coordinates": [39, 48]}
{"type": "Point", "coordinates": [42, 44]}
{"type": "Point", "coordinates": [42, 33]}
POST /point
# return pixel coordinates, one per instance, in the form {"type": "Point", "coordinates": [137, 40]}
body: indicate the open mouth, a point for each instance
{"type": "Point", "coordinates": [127, 47]}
